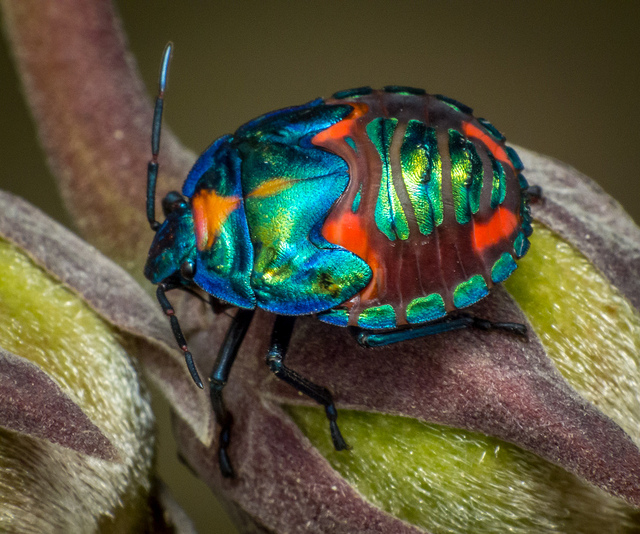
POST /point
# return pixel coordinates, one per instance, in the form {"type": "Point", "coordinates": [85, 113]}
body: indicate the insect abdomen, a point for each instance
{"type": "Point", "coordinates": [433, 205]}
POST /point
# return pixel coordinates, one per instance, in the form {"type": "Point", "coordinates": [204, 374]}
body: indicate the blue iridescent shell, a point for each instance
{"type": "Point", "coordinates": [374, 208]}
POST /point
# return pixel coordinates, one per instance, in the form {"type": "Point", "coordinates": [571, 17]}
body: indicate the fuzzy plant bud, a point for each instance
{"type": "Point", "coordinates": [76, 427]}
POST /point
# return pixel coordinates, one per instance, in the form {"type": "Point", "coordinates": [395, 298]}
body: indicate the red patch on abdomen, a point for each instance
{"type": "Point", "coordinates": [349, 232]}
{"type": "Point", "coordinates": [500, 226]}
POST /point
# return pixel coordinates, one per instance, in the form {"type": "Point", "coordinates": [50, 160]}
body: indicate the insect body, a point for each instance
{"type": "Point", "coordinates": [382, 210]}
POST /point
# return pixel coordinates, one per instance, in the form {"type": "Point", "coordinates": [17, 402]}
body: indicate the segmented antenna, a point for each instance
{"type": "Point", "coordinates": [152, 168]}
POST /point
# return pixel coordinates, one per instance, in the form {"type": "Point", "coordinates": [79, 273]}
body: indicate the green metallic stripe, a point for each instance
{"type": "Point", "coordinates": [495, 133]}
{"type": "Point", "coordinates": [499, 184]}
{"type": "Point", "coordinates": [389, 215]}
{"type": "Point", "coordinates": [470, 292]}
{"type": "Point", "coordinates": [525, 211]}
{"type": "Point", "coordinates": [338, 317]}
{"type": "Point", "coordinates": [414, 162]}
{"type": "Point", "coordinates": [454, 104]}
{"type": "Point", "coordinates": [503, 268]}
{"type": "Point", "coordinates": [515, 159]}
{"type": "Point", "coordinates": [403, 90]}
{"type": "Point", "coordinates": [477, 177]}
{"type": "Point", "coordinates": [356, 200]}
{"type": "Point", "coordinates": [352, 93]}
{"type": "Point", "coordinates": [434, 186]}
{"type": "Point", "coordinates": [378, 317]}
{"type": "Point", "coordinates": [524, 184]}
{"type": "Point", "coordinates": [521, 245]}
{"type": "Point", "coordinates": [349, 140]}
{"type": "Point", "coordinates": [425, 309]}
{"type": "Point", "coordinates": [466, 176]}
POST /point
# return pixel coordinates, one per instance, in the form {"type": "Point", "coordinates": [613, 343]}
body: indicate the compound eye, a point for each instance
{"type": "Point", "coordinates": [187, 270]}
{"type": "Point", "coordinates": [172, 202]}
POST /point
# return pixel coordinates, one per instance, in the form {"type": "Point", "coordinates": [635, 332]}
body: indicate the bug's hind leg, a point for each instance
{"type": "Point", "coordinates": [218, 379]}
{"type": "Point", "coordinates": [280, 338]}
{"type": "Point", "coordinates": [369, 338]}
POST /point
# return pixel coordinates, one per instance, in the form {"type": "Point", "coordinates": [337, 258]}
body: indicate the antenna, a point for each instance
{"type": "Point", "coordinates": [152, 168]}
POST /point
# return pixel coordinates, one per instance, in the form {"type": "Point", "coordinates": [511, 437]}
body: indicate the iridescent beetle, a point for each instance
{"type": "Point", "coordinates": [384, 211]}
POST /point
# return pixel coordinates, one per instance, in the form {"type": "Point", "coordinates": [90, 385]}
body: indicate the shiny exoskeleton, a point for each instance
{"type": "Point", "coordinates": [382, 210]}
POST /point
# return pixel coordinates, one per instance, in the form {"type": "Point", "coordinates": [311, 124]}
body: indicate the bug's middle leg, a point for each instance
{"type": "Point", "coordinates": [280, 338]}
{"type": "Point", "coordinates": [218, 379]}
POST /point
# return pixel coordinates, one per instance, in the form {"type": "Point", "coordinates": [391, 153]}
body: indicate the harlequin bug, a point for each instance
{"type": "Point", "coordinates": [384, 211]}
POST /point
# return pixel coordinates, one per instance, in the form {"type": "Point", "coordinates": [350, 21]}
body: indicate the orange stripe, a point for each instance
{"type": "Point", "coordinates": [210, 212]}
{"type": "Point", "coordinates": [500, 226]}
{"type": "Point", "coordinates": [498, 151]}
{"type": "Point", "coordinates": [343, 128]}
{"type": "Point", "coordinates": [270, 187]}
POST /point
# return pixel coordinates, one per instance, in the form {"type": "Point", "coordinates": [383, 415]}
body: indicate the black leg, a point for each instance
{"type": "Point", "coordinates": [177, 331]}
{"type": "Point", "coordinates": [218, 379]}
{"type": "Point", "coordinates": [369, 338]}
{"type": "Point", "coordinates": [275, 360]}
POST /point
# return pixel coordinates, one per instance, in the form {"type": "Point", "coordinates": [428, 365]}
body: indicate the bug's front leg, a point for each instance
{"type": "Point", "coordinates": [280, 338]}
{"type": "Point", "coordinates": [167, 308]}
{"type": "Point", "coordinates": [218, 379]}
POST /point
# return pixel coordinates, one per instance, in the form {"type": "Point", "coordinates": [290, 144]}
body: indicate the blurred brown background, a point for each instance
{"type": "Point", "coordinates": [561, 78]}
